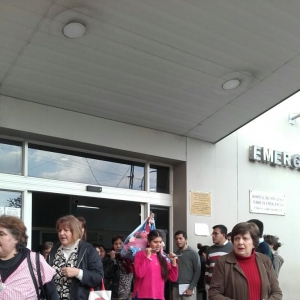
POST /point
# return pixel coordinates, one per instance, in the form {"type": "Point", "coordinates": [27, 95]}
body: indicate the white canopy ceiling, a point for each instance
{"type": "Point", "coordinates": [159, 64]}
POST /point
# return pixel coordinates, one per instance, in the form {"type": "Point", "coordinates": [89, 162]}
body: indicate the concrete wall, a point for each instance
{"type": "Point", "coordinates": [225, 170]}
{"type": "Point", "coordinates": [41, 120]}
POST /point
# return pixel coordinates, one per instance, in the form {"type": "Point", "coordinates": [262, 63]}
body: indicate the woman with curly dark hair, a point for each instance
{"type": "Point", "coordinates": [16, 281]}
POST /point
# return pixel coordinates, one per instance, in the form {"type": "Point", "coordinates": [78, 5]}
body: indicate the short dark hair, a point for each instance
{"type": "Point", "coordinates": [243, 228]}
{"type": "Point", "coordinates": [46, 245]}
{"type": "Point", "coordinates": [259, 224]}
{"type": "Point", "coordinates": [272, 240]}
{"type": "Point", "coordinates": [229, 233]}
{"type": "Point", "coordinates": [181, 232]}
{"type": "Point", "coordinates": [202, 250]}
{"type": "Point", "coordinates": [117, 237]}
{"type": "Point", "coordinates": [223, 229]}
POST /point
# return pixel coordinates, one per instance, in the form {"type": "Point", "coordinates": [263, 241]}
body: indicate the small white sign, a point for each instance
{"type": "Point", "coordinates": [201, 229]}
{"type": "Point", "coordinates": [13, 211]}
{"type": "Point", "coordinates": [267, 203]}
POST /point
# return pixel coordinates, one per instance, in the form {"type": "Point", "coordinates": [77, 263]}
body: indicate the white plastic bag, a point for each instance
{"type": "Point", "coordinates": [100, 295]}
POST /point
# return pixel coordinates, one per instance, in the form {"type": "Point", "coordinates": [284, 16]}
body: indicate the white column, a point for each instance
{"type": "Point", "coordinates": [27, 214]}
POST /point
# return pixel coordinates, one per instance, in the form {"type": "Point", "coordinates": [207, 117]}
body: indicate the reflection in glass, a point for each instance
{"type": "Point", "coordinates": [10, 157]}
{"type": "Point", "coordinates": [159, 179]}
{"type": "Point", "coordinates": [71, 166]}
{"type": "Point", "coordinates": [10, 203]}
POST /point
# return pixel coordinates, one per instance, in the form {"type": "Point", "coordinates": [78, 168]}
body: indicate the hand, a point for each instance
{"type": "Point", "coordinates": [188, 292]}
{"type": "Point", "coordinates": [173, 258]}
{"type": "Point", "coordinates": [69, 271]}
{"type": "Point", "coordinates": [148, 252]}
{"type": "Point", "coordinates": [112, 254]}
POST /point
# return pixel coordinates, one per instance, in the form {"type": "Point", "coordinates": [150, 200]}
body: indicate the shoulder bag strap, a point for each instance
{"type": "Point", "coordinates": [32, 275]}
{"type": "Point", "coordinates": [38, 269]}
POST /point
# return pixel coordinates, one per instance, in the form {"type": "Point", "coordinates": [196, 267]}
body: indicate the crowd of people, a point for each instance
{"type": "Point", "coordinates": [244, 267]}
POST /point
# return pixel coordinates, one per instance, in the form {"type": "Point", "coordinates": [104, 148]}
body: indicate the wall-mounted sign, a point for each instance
{"type": "Point", "coordinates": [200, 203]}
{"type": "Point", "coordinates": [274, 157]}
{"type": "Point", "coordinates": [267, 203]}
{"type": "Point", "coordinates": [11, 211]}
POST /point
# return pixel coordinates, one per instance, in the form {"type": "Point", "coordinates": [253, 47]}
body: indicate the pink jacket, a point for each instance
{"type": "Point", "coordinates": [19, 285]}
{"type": "Point", "coordinates": [148, 281]}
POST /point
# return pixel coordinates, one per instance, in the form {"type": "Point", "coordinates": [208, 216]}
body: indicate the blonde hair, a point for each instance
{"type": "Point", "coordinates": [71, 223]}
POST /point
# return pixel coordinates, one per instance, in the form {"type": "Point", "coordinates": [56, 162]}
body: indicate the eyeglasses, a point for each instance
{"type": "Point", "coordinates": [216, 233]}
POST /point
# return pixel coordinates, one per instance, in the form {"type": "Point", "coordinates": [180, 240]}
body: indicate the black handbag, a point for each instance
{"type": "Point", "coordinates": [40, 294]}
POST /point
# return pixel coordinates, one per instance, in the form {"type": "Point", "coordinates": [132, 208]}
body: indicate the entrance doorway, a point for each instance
{"type": "Point", "coordinates": [104, 217]}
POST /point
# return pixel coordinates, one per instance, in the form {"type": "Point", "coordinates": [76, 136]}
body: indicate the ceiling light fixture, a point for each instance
{"type": "Point", "coordinates": [86, 206]}
{"type": "Point", "coordinates": [231, 84]}
{"type": "Point", "coordinates": [74, 30]}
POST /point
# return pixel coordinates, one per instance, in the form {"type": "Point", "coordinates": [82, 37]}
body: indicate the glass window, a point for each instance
{"type": "Point", "coordinates": [159, 179]}
{"type": "Point", "coordinates": [46, 162]}
{"type": "Point", "coordinates": [10, 203]}
{"type": "Point", "coordinates": [10, 157]}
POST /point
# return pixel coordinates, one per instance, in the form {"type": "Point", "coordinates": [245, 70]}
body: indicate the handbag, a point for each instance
{"type": "Point", "coordinates": [100, 295]}
{"type": "Point", "coordinates": [40, 294]}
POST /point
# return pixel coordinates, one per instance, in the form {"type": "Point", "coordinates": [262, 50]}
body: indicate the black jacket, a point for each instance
{"type": "Point", "coordinates": [89, 261]}
{"type": "Point", "coordinates": [111, 275]}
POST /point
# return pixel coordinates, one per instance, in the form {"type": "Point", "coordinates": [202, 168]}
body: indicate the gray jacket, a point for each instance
{"type": "Point", "coordinates": [189, 268]}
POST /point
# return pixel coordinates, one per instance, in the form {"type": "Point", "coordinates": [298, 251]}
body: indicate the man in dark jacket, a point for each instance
{"type": "Point", "coordinates": [263, 247]}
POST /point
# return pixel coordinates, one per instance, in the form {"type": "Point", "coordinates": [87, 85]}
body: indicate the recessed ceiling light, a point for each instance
{"type": "Point", "coordinates": [74, 30]}
{"type": "Point", "coordinates": [231, 84]}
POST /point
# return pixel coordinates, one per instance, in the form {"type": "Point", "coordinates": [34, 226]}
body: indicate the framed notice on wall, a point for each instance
{"type": "Point", "coordinates": [267, 203]}
{"type": "Point", "coordinates": [200, 203]}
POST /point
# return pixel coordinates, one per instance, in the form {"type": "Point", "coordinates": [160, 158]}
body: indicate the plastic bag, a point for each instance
{"type": "Point", "coordinates": [100, 295]}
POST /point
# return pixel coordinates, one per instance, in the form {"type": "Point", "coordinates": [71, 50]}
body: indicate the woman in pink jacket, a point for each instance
{"type": "Point", "coordinates": [152, 269]}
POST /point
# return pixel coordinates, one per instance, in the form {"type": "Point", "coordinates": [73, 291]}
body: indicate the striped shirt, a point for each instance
{"type": "Point", "coordinates": [213, 253]}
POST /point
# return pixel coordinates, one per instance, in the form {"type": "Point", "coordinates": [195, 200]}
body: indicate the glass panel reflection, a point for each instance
{"type": "Point", "coordinates": [10, 157]}
{"type": "Point", "coordinates": [159, 179]}
{"type": "Point", "coordinates": [72, 166]}
{"type": "Point", "coordinates": [10, 203]}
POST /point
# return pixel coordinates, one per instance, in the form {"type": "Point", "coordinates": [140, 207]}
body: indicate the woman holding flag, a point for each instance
{"type": "Point", "coordinates": [152, 269]}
